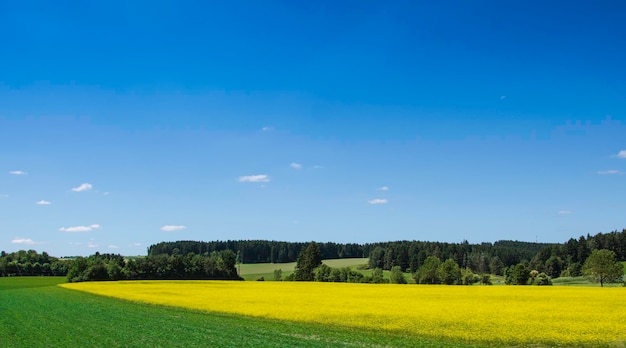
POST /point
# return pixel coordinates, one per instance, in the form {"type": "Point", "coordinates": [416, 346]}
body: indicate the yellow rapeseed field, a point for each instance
{"type": "Point", "coordinates": [488, 314]}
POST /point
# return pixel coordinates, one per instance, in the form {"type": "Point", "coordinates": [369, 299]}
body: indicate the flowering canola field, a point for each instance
{"type": "Point", "coordinates": [481, 314]}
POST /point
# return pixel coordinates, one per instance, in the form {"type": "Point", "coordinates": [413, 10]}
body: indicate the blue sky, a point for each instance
{"type": "Point", "coordinates": [123, 125]}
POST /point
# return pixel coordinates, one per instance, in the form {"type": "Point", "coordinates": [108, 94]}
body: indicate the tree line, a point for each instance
{"type": "Point", "coordinates": [259, 251]}
{"type": "Point", "coordinates": [552, 259]}
{"type": "Point", "coordinates": [97, 267]}
{"type": "Point", "coordinates": [31, 263]}
{"type": "Point", "coordinates": [519, 262]}
{"type": "Point", "coordinates": [601, 265]}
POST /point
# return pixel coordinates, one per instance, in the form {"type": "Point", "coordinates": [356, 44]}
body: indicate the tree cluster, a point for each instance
{"type": "Point", "coordinates": [433, 271]}
{"type": "Point", "coordinates": [258, 251]}
{"type": "Point", "coordinates": [568, 259]}
{"type": "Point", "coordinates": [215, 265]}
{"type": "Point", "coordinates": [480, 258]}
{"type": "Point", "coordinates": [31, 263]}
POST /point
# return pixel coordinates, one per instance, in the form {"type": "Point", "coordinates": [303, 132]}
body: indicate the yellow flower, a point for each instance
{"type": "Point", "coordinates": [496, 314]}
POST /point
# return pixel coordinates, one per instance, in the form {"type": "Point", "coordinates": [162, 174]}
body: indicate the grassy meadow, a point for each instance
{"type": "Point", "coordinates": [470, 315]}
{"type": "Point", "coordinates": [254, 271]}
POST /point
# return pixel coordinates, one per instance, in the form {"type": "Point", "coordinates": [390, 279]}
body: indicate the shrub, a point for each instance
{"type": "Point", "coordinates": [486, 279]}
{"type": "Point", "coordinates": [517, 275]}
{"type": "Point", "coordinates": [397, 277]}
{"type": "Point", "coordinates": [377, 276]}
{"type": "Point", "coordinates": [543, 279]}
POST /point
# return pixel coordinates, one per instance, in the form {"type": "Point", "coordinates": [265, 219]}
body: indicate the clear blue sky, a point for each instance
{"type": "Point", "coordinates": [126, 124]}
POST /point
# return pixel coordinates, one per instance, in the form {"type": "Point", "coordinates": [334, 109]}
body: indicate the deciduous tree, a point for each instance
{"type": "Point", "coordinates": [602, 267]}
{"type": "Point", "coordinates": [397, 277]}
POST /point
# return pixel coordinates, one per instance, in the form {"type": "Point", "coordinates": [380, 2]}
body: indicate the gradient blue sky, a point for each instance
{"type": "Point", "coordinates": [123, 125]}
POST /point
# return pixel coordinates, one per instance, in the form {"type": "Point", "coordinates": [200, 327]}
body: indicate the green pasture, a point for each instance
{"type": "Point", "coordinates": [254, 271]}
{"type": "Point", "coordinates": [36, 313]}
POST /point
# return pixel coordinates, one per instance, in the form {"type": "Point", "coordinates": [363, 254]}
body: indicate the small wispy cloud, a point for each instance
{"type": "Point", "coordinates": [377, 201]}
{"type": "Point", "coordinates": [17, 172]}
{"type": "Point", "coordinates": [113, 246]}
{"type": "Point", "coordinates": [92, 245]}
{"type": "Point", "coordinates": [267, 129]}
{"type": "Point", "coordinates": [502, 97]}
{"type": "Point", "coordinates": [610, 172]}
{"type": "Point", "coordinates": [43, 202]}
{"type": "Point", "coordinates": [83, 187]}
{"type": "Point", "coordinates": [80, 228]}
{"type": "Point", "coordinates": [136, 244]}
{"type": "Point", "coordinates": [565, 212]}
{"type": "Point", "coordinates": [254, 178]}
{"type": "Point", "coordinates": [621, 154]}
{"type": "Point", "coordinates": [295, 165]}
{"type": "Point", "coordinates": [318, 167]}
{"type": "Point", "coordinates": [25, 241]}
{"type": "Point", "coordinates": [384, 188]}
{"type": "Point", "coordinates": [173, 228]}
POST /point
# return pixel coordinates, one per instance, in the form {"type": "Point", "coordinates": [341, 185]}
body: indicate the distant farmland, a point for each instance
{"type": "Point", "coordinates": [254, 271]}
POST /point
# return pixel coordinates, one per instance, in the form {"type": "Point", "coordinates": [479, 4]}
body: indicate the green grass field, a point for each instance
{"type": "Point", "coordinates": [254, 271]}
{"type": "Point", "coordinates": [37, 313]}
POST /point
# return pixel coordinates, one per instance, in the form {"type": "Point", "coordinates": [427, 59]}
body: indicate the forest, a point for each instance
{"type": "Point", "coordinates": [218, 259]}
{"type": "Point", "coordinates": [554, 259]}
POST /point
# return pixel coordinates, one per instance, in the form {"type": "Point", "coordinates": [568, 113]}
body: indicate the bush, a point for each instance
{"type": "Point", "coordinates": [323, 273]}
{"type": "Point", "coordinates": [377, 276]}
{"type": "Point", "coordinates": [355, 277]}
{"type": "Point", "coordinates": [278, 275]}
{"type": "Point", "coordinates": [397, 276]}
{"type": "Point", "coordinates": [468, 277]}
{"type": "Point", "coordinates": [543, 279]}
{"type": "Point", "coordinates": [486, 279]}
{"type": "Point", "coordinates": [517, 275]}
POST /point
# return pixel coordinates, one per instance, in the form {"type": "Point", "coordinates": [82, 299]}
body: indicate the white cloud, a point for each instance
{"type": "Point", "coordinates": [267, 129]}
{"type": "Point", "coordinates": [173, 228]}
{"type": "Point", "coordinates": [621, 154]}
{"type": "Point", "coordinates": [26, 241]}
{"type": "Point", "coordinates": [113, 246]}
{"type": "Point", "coordinates": [17, 172]}
{"type": "Point", "coordinates": [136, 244]}
{"type": "Point", "coordinates": [377, 201]}
{"type": "Point", "coordinates": [83, 187]}
{"type": "Point", "coordinates": [564, 212]}
{"type": "Point", "coordinates": [610, 172]}
{"type": "Point", "coordinates": [80, 228]}
{"type": "Point", "coordinates": [295, 165]}
{"type": "Point", "coordinates": [384, 188]}
{"type": "Point", "coordinates": [43, 202]}
{"type": "Point", "coordinates": [106, 193]}
{"type": "Point", "coordinates": [254, 178]}
{"type": "Point", "coordinates": [92, 245]}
